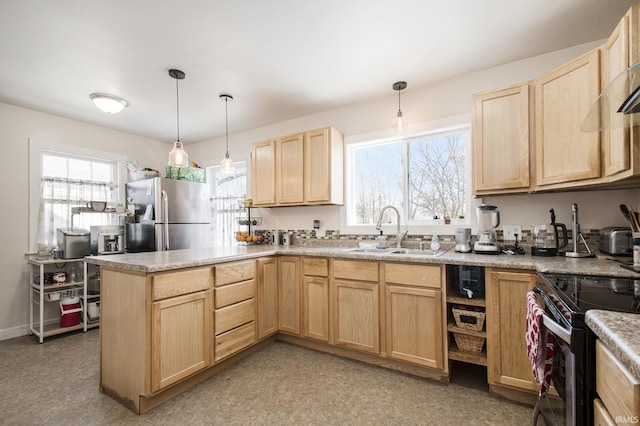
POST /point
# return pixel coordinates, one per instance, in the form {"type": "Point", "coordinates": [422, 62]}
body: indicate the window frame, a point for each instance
{"type": "Point", "coordinates": [461, 124]}
{"type": "Point", "coordinates": [36, 151]}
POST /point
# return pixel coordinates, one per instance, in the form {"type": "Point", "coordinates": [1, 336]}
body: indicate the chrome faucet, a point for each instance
{"type": "Point", "coordinates": [399, 235]}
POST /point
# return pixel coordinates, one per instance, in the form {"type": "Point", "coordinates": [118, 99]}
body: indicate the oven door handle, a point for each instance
{"type": "Point", "coordinates": [556, 328]}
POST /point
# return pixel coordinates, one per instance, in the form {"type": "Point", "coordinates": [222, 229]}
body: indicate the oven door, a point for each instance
{"type": "Point", "coordinates": [560, 410]}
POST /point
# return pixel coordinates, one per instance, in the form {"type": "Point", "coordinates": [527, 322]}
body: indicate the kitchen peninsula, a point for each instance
{"type": "Point", "coordinates": [172, 319]}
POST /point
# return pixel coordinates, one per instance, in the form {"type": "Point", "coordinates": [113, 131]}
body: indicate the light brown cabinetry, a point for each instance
{"type": "Point", "coordinates": [501, 140]}
{"type": "Point", "coordinates": [618, 389]}
{"type": "Point", "coordinates": [267, 292]}
{"type": "Point", "coordinates": [300, 169]}
{"type": "Point", "coordinates": [289, 294]}
{"type": "Point", "coordinates": [315, 298]}
{"type": "Point", "coordinates": [356, 305]}
{"type": "Point", "coordinates": [235, 307]}
{"type": "Point", "coordinates": [565, 155]}
{"type": "Point", "coordinates": [508, 363]}
{"type": "Point", "coordinates": [414, 314]}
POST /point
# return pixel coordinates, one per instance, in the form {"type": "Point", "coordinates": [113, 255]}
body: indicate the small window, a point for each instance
{"type": "Point", "coordinates": [228, 191]}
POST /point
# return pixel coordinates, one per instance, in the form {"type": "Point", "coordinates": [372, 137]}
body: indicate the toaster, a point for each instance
{"type": "Point", "coordinates": [616, 240]}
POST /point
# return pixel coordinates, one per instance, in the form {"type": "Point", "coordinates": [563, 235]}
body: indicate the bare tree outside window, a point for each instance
{"type": "Point", "coordinates": [434, 187]}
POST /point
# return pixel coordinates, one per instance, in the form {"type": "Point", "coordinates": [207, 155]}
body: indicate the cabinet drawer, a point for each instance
{"type": "Point", "coordinates": [601, 416]}
{"type": "Point", "coordinates": [355, 270]}
{"type": "Point", "coordinates": [618, 389]}
{"type": "Point", "coordinates": [416, 275]}
{"type": "Point", "coordinates": [234, 316]}
{"type": "Point", "coordinates": [233, 272]}
{"type": "Point", "coordinates": [176, 283]}
{"type": "Point", "coordinates": [233, 341]}
{"type": "Point", "coordinates": [313, 266]}
{"type": "Point", "coordinates": [234, 293]}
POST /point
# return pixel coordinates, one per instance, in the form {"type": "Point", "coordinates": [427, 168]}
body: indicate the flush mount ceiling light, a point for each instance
{"type": "Point", "coordinates": [400, 123]}
{"type": "Point", "coordinates": [108, 103]}
{"type": "Point", "coordinates": [178, 156]}
{"type": "Point", "coordinates": [227, 165]}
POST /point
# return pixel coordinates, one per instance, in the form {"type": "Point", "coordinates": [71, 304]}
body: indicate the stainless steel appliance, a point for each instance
{"type": "Point", "coordinates": [463, 240]}
{"type": "Point", "coordinates": [168, 214]}
{"type": "Point", "coordinates": [616, 241]}
{"type": "Point", "coordinates": [488, 221]}
{"type": "Point", "coordinates": [577, 237]}
{"type": "Point", "coordinates": [73, 242]}
{"type": "Point", "coordinates": [566, 299]}
{"type": "Point", "coordinates": [107, 239]}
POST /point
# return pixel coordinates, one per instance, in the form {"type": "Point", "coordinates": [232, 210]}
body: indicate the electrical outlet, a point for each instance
{"type": "Point", "coordinates": [509, 232]}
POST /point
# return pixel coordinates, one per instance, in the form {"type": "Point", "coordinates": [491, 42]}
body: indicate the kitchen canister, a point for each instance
{"type": "Point", "coordinates": [276, 236]}
{"type": "Point", "coordinates": [286, 239]}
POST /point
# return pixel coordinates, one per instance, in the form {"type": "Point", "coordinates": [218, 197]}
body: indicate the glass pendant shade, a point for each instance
{"type": "Point", "coordinates": [227, 165]}
{"type": "Point", "coordinates": [178, 157]}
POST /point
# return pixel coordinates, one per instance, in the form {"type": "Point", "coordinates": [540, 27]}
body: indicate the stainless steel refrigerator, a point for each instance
{"type": "Point", "coordinates": [169, 214]}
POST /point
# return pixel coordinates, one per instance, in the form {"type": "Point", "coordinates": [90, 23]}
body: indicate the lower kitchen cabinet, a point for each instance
{"type": "Point", "coordinates": [356, 305]}
{"type": "Point", "coordinates": [180, 334]}
{"type": "Point", "coordinates": [508, 363]}
{"type": "Point", "coordinates": [315, 298]}
{"type": "Point", "coordinates": [267, 292]}
{"type": "Point", "coordinates": [289, 294]}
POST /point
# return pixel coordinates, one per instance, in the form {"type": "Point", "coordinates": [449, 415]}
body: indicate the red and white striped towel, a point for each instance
{"type": "Point", "coordinates": [539, 345]}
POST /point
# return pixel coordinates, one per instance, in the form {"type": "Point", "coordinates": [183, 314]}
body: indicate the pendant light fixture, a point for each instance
{"type": "Point", "coordinates": [227, 165]}
{"type": "Point", "coordinates": [400, 123]}
{"type": "Point", "coordinates": [178, 156]}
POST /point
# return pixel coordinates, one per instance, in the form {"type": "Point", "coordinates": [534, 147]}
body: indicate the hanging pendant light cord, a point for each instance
{"type": "Point", "coordinates": [177, 111]}
{"type": "Point", "coordinates": [226, 123]}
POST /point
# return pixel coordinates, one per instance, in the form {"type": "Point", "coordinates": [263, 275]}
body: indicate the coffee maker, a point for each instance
{"type": "Point", "coordinates": [488, 221]}
{"type": "Point", "coordinates": [546, 238]}
{"type": "Point", "coordinates": [107, 239]}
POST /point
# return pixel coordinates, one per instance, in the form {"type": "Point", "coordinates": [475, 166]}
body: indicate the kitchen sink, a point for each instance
{"type": "Point", "coordinates": [429, 253]}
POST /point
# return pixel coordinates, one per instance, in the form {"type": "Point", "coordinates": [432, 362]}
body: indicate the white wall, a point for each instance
{"type": "Point", "coordinates": [420, 104]}
{"type": "Point", "coordinates": [424, 105]}
{"type": "Point", "coordinates": [18, 126]}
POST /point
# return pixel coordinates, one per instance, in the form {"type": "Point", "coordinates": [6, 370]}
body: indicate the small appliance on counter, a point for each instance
{"type": "Point", "coordinates": [616, 241]}
{"type": "Point", "coordinates": [107, 239]}
{"type": "Point", "coordinates": [488, 221]}
{"type": "Point", "coordinates": [73, 242]}
{"type": "Point", "coordinates": [468, 280]}
{"type": "Point", "coordinates": [546, 238]}
{"type": "Point", "coordinates": [463, 240]}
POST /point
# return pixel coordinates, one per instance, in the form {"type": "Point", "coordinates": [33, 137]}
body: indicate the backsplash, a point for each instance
{"type": "Point", "coordinates": [333, 238]}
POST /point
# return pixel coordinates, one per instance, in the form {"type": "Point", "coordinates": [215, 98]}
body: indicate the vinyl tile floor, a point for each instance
{"type": "Point", "coordinates": [56, 383]}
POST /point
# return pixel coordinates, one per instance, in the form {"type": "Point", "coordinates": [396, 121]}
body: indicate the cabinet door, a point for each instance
{"type": "Point", "coordinates": [501, 139]}
{"type": "Point", "coordinates": [615, 59]}
{"type": "Point", "coordinates": [415, 325]}
{"type": "Point", "coordinates": [267, 297]}
{"type": "Point", "coordinates": [356, 315]}
{"type": "Point", "coordinates": [317, 166]}
{"type": "Point", "coordinates": [289, 169]}
{"type": "Point", "coordinates": [564, 153]}
{"type": "Point", "coordinates": [263, 171]}
{"type": "Point", "coordinates": [508, 363]}
{"type": "Point", "coordinates": [289, 294]}
{"type": "Point", "coordinates": [315, 308]}
{"type": "Point", "coordinates": [180, 338]}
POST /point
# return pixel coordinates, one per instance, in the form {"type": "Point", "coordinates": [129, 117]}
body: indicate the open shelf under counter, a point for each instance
{"type": "Point", "coordinates": [466, 301]}
{"type": "Point", "coordinates": [479, 358]}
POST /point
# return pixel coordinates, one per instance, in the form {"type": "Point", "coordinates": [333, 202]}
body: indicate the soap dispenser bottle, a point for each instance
{"type": "Point", "coordinates": [380, 241]}
{"type": "Point", "coordinates": [435, 243]}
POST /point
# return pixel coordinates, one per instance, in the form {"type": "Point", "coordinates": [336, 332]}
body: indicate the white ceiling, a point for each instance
{"type": "Point", "coordinates": [280, 59]}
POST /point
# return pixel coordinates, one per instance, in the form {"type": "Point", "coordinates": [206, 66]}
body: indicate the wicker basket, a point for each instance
{"type": "Point", "coordinates": [467, 343]}
{"type": "Point", "coordinates": [469, 320]}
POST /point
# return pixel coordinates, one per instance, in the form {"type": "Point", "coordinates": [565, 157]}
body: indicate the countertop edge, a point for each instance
{"type": "Point", "coordinates": [618, 331]}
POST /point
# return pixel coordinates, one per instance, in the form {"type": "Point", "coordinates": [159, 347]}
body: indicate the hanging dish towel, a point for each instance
{"type": "Point", "coordinates": [540, 345]}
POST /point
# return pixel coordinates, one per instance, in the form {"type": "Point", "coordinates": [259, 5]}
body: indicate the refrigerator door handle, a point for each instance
{"type": "Point", "coordinates": [165, 218]}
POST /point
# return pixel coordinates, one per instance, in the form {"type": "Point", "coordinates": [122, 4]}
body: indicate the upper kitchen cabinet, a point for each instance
{"type": "Point", "coordinates": [301, 169]}
{"type": "Point", "coordinates": [565, 156]}
{"type": "Point", "coordinates": [501, 140]}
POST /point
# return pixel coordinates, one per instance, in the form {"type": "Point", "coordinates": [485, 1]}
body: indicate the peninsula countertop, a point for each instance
{"type": "Point", "coordinates": [150, 262]}
{"type": "Point", "coordinates": [619, 332]}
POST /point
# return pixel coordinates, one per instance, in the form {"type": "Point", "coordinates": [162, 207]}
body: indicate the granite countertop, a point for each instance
{"type": "Point", "coordinates": [619, 331]}
{"type": "Point", "coordinates": [177, 259]}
